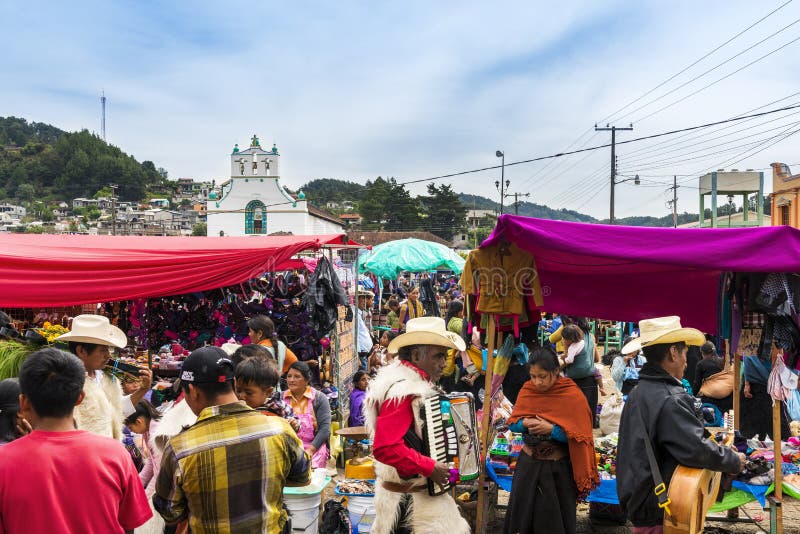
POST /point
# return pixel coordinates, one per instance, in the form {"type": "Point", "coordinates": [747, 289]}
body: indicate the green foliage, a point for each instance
{"type": "Point", "coordinates": [34, 229]}
{"type": "Point", "coordinates": [26, 192]}
{"type": "Point", "coordinates": [12, 354]}
{"type": "Point", "coordinates": [19, 132]}
{"type": "Point", "coordinates": [68, 165]}
{"type": "Point", "coordinates": [329, 190]}
{"type": "Point", "coordinates": [199, 229]}
{"type": "Point", "coordinates": [93, 213]}
{"type": "Point", "coordinates": [445, 212]}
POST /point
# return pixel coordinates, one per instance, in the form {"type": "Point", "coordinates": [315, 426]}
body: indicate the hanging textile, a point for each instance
{"type": "Point", "coordinates": [324, 293]}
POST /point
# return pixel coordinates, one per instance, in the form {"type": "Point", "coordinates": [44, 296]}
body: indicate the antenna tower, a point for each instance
{"type": "Point", "coordinates": [103, 117]}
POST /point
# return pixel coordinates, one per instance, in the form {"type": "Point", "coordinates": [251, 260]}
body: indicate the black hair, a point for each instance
{"type": "Point", "coordinates": [263, 324]}
{"type": "Point", "coordinates": [9, 407]}
{"type": "Point", "coordinates": [88, 347]}
{"type": "Point", "coordinates": [572, 333]}
{"type": "Point", "coordinates": [392, 303]}
{"type": "Point", "coordinates": [262, 373]}
{"type": "Point", "coordinates": [143, 409]}
{"type": "Point", "coordinates": [453, 309]}
{"type": "Point", "coordinates": [546, 358]}
{"type": "Point", "coordinates": [658, 353]}
{"type": "Point", "coordinates": [708, 348]}
{"type": "Point", "coordinates": [582, 322]}
{"type": "Point", "coordinates": [404, 353]}
{"type": "Point", "coordinates": [358, 376]}
{"type": "Point", "coordinates": [250, 351]}
{"type": "Point", "coordinates": [391, 334]}
{"type": "Point", "coordinates": [303, 369]}
{"type": "Point", "coordinates": [52, 380]}
{"type": "Point", "coordinates": [212, 390]}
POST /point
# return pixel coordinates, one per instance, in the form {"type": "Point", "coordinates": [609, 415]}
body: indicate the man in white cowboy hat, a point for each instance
{"type": "Point", "coordinates": [392, 413]}
{"type": "Point", "coordinates": [661, 413]}
{"type": "Point", "coordinates": [104, 407]}
{"type": "Point", "coordinates": [364, 341]}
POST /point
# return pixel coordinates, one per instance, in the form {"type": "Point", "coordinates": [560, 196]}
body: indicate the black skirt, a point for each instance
{"type": "Point", "coordinates": [588, 387]}
{"type": "Point", "coordinates": [543, 498]}
{"type": "Point", "coordinates": [755, 415]}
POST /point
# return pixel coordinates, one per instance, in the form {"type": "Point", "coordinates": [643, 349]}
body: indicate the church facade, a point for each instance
{"type": "Point", "coordinates": [253, 202]}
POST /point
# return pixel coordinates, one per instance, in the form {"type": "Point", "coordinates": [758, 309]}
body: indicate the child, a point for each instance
{"type": "Point", "coordinates": [256, 379]}
{"type": "Point", "coordinates": [142, 422]}
{"type": "Point", "coordinates": [574, 344]}
{"type": "Point", "coordinates": [12, 424]}
{"type": "Point", "coordinates": [393, 318]}
{"type": "Point", "coordinates": [360, 382]}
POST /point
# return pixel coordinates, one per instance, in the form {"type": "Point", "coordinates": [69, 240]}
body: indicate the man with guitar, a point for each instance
{"type": "Point", "coordinates": [659, 430]}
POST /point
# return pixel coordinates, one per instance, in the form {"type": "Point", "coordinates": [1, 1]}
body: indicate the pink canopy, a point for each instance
{"type": "Point", "coordinates": [61, 270]}
{"type": "Point", "coordinates": [631, 273]}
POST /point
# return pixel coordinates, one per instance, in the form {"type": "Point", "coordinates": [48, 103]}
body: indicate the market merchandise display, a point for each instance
{"type": "Point", "coordinates": [355, 487]}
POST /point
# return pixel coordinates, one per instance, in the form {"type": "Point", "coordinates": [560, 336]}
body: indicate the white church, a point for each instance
{"type": "Point", "coordinates": [253, 202]}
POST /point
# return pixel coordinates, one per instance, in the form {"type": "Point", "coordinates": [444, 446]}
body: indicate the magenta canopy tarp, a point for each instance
{"type": "Point", "coordinates": [64, 270]}
{"type": "Point", "coordinates": [632, 273]}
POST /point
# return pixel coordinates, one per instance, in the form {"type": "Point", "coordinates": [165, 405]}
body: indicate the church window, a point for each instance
{"type": "Point", "coordinates": [255, 218]}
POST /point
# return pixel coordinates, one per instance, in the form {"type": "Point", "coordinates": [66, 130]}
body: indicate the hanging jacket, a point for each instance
{"type": "Point", "coordinates": [324, 293]}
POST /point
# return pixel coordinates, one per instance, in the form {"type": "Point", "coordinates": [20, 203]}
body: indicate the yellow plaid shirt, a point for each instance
{"type": "Point", "coordinates": [226, 473]}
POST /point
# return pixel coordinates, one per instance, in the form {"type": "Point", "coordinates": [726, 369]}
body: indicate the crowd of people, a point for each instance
{"type": "Point", "coordinates": [245, 421]}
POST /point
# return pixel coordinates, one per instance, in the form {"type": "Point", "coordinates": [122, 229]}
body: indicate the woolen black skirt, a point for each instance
{"type": "Point", "coordinates": [543, 495]}
{"type": "Point", "coordinates": [755, 417]}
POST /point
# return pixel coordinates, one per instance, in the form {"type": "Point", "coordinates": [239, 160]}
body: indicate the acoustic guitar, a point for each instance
{"type": "Point", "coordinates": [691, 493]}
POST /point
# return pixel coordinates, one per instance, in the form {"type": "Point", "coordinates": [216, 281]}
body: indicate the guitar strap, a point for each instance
{"type": "Point", "coordinates": [661, 489]}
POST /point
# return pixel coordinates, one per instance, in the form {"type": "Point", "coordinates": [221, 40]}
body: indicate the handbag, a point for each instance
{"type": "Point", "coordinates": [717, 386]}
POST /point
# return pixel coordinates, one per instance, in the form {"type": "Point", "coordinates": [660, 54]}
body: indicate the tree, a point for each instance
{"type": "Point", "coordinates": [200, 229]}
{"type": "Point", "coordinates": [105, 192]}
{"type": "Point", "coordinates": [26, 192]}
{"type": "Point", "coordinates": [446, 215]}
{"type": "Point", "coordinates": [93, 213]}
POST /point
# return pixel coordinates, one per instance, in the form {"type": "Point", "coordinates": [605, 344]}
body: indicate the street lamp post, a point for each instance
{"type": "Point", "coordinates": [503, 184]}
{"type": "Point", "coordinates": [634, 179]}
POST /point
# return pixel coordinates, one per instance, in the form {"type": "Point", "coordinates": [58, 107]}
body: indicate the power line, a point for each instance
{"type": "Point", "coordinates": [597, 147]}
{"type": "Point", "coordinates": [719, 80]}
{"type": "Point", "coordinates": [709, 71]}
{"type": "Point", "coordinates": [698, 60]}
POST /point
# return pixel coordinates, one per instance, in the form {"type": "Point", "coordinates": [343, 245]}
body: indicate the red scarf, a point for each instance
{"type": "Point", "coordinates": [564, 405]}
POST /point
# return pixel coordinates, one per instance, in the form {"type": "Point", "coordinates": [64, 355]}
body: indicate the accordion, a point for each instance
{"type": "Point", "coordinates": [450, 436]}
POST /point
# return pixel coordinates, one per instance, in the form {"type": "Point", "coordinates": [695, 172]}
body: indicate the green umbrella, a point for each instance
{"type": "Point", "coordinates": [387, 260]}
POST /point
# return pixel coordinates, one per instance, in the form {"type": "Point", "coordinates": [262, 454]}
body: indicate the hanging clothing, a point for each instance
{"type": "Point", "coordinates": [428, 298]}
{"type": "Point", "coordinates": [322, 296]}
{"type": "Point", "coordinates": [504, 275]}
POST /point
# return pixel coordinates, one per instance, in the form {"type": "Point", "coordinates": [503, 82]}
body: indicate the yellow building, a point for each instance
{"type": "Point", "coordinates": [785, 196]}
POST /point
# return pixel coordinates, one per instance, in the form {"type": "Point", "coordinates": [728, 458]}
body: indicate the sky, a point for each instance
{"type": "Point", "coordinates": [413, 90]}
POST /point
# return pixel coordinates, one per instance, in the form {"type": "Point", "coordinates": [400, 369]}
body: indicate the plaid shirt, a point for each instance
{"type": "Point", "coordinates": [226, 472]}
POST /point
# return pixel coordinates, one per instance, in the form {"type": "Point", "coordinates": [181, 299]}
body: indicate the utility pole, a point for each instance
{"type": "Point", "coordinates": [503, 184]}
{"type": "Point", "coordinates": [613, 130]}
{"type": "Point", "coordinates": [516, 200]}
{"type": "Point", "coordinates": [103, 115]}
{"type": "Point", "coordinates": [113, 208]}
{"type": "Point", "coordinates": [674, 202]}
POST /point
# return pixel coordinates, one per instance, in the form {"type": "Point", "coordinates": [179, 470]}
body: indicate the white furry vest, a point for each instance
{"type": "Point", "coordinates": [101, 410]}
{"type": "Point", "coordinates": [427, 514]}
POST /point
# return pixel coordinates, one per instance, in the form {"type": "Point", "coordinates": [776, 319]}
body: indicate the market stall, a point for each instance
{"type": "Point", "coordinates": [610, 271]}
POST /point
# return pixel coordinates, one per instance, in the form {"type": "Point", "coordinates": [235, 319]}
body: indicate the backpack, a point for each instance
{"type": "Point", "coordinates": [335, 519]}
{"type": "Point", "coordinates": [630, 378]}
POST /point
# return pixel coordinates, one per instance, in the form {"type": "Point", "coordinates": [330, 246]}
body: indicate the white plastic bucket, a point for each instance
{"type": "Point", "coordinates": [362, 512]}
{"type": "Point", "coordinates": [304, 510]}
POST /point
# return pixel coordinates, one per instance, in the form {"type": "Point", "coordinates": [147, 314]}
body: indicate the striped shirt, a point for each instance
{"type": "Point", "coordinates": [226, 473]}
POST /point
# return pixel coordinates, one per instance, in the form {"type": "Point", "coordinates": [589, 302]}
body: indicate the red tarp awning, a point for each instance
{"type": "Point", "coordinates": [63, 270]}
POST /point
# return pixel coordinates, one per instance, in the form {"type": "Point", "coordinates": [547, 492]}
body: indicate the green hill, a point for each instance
{"type": "Point", "coordinates": [41, 161]}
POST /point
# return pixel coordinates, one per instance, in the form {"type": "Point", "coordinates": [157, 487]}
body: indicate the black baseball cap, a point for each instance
{"type": "Point", "coordinates": [207, 365]}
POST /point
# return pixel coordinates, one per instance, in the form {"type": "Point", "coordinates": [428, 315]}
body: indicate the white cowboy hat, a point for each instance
{"type": "Point", "coordinates": [662, 330]}
{"type": "Point", "coordinates": [426, 331]}
{"type": "Point", "coordinates": [95, 329]}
